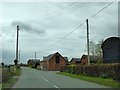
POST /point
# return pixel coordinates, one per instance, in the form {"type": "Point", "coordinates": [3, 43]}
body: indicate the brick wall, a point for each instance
{"type": "Point", "coordinates": [56, 67]}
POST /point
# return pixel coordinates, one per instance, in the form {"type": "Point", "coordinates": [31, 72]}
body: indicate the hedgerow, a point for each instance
{"type": "Point", "coordinates": [103, 70]}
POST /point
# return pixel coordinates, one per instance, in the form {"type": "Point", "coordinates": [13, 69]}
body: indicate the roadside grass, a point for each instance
{"type": "Point", "coordinates": [12, 77]}
{"type": "Point", "coordinates": [9, 83]}
{"type": "Point", "coordinates": [107, 82]}
{"type": "Point", "coordinates": [0, 86]}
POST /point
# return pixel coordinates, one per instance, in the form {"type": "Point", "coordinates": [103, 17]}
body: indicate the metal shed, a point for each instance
{"type": "Point", "coordinates": [111, 50]}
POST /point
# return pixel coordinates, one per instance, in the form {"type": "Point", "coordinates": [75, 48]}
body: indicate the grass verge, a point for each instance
{"type": "Point", "coordinates": [107, 82]}
{"type": "Point", "coordinates": [0, 86]}
{"type": "Point", "coordinates": [13, 79]}
{"type": "Point", "coordinates": [9, 83]}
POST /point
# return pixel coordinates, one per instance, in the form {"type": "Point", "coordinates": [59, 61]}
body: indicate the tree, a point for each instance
{"type": "Point", "coordinates": [15, 61]}
{"type": "Point", "coordinates": [92, 47]}
{"type": "Point", "coordinates": [36, 64]}
{"type": "Point", "coordinates": [95, 49]}
{"type": "Point", "coordinates": [2, 64]}
{"type": "Point", "coordinates": [98, 48]}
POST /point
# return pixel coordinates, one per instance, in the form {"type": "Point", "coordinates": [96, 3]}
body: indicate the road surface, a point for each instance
{"type": "Point", "coordinates": [0, 75]}
{"type": "Point", "coordinates": [32, 78]}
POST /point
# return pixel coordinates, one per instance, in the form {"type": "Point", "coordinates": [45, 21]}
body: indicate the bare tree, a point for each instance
{"type": "Point", "coordinates": [98, 48]}
{"type": "Point", "coordinates": [95, 49]}
{"type": "Point", "coordinates": [92, 47]}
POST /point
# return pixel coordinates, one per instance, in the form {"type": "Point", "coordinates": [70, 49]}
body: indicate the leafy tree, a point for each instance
{"type": "Point", "coordinates": [36, 64]}
{"type": "Point", "coordinates": [2, 64]}
{"type": "Point", "coordinates": [15, 61]}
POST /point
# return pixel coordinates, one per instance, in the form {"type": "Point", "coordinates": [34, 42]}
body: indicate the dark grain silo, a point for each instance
{"type": "Point", "coordinates": [111, 50]}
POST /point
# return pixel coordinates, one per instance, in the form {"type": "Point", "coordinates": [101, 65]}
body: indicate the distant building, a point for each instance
{"type": "Point", "coordinates": [33, 61]}
{"type": "Point", "coordinates": [53, 62]}
{"type": "Point", "coordinates": [75, 61]}
{"type": "Point", "coordinates": [111, 50]}
{"type": "Point", "coordinates": [93, 59]}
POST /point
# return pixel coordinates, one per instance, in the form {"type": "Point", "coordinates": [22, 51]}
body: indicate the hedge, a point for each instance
{"type": "Point", "coordinates": [6, 75]}
{"type": "Point", "coordinates": [9, 72]}
{"type": "Point", "coordinates": [103, 70]}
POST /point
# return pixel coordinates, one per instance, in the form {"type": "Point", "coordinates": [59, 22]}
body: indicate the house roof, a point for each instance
{"type": "Point", "coordinates": [51, 55]}
{"type": "Point", "coordinates": [48, 57]}
{"type": "Point", "coordinates": [92, 57]}
{"type": "Point", "coordinates": [75, 59]}
{"type": "Point", "coordinates": [66, 58]}
{"type": "Point", "coordinates": [34, 60]}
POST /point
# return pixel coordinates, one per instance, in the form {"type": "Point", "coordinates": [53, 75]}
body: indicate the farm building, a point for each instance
{"type": "Point", "coordinates": [93, 59]}
{"type": "Point", "coordinates": [75, 61]}
{"type": "Point", "coordinates": [53, 62]}
{"type": "Point", "coordinates": [111, 50]}
{"type": "Point", "coordinates": [33, 61]}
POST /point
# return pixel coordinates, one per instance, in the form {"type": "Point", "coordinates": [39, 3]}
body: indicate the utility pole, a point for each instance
{"type": "Point", "coordinates": [17, 43]}
{"type": "Point", "coordinates": [88, 41]}
{"type": "Point", "coordinates": [35, 55]}
{"type": "Point", "coordinates": [19, 56]}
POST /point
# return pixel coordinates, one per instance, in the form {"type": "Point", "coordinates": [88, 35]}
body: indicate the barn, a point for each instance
{"type": "Point", "coordinates": [53, 62]}
{"type": "Point", "coordinates": [111, 50]}
{"type": "Point", "coordinates": [93, 59]}
{"type": "Point", "coordinates": [75, 61]}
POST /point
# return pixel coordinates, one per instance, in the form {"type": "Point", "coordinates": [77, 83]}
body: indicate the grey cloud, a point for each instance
{"type": "Point", "coordinates": [29, 28]}
{"type": "Point", "coordinates": [8, 56]}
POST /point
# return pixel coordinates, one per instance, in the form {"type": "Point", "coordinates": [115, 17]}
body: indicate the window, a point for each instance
{"type": "Point", "coordinates": [57, 59]}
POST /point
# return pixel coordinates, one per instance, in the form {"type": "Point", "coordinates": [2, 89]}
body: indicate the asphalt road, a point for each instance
{"type": "Point", "coordinates": [32, 78]}
{"type": "Point", "coordinates": [0, 75]}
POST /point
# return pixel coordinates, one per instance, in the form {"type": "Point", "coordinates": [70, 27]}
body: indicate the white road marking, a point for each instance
{"type": "Point", "coordinates": [55, 86]}
{"type": "Point", "coordinates": [45, 79]}
{"type": "Point", "coordinates": [51, 83]}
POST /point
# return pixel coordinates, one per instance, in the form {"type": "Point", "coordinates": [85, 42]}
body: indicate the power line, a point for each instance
{"type": "Point", "coordinates": [64, 36]}
{"type": "Point", "coordinates": [80, 25]}
{"type": "Point", "coordinates": [53, 12]}
{"type": "Point", "coordinates": [13, 36]}
{"type": "Point", "coordinates": [74, 7]}
{"type": "Point", "coordinates": [102, 9]}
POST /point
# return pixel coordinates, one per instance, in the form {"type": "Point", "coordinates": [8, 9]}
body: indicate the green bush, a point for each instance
{"type": "Point", "coordinates": [6, 75]}
{"type": "Point", "coordinates": [102, 70]}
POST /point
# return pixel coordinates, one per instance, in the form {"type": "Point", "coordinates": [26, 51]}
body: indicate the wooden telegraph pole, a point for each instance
{"type": "Point", "coordinates": [17, 43]}
{"type": "Point", "coordinates": [88, 41]}
{"type": "Point", "coordinates": [19, 57]}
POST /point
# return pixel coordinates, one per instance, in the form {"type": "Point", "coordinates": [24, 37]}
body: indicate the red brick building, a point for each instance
{"type": "Point", "coordinates": [93, 59]}
{"type": "Point", "coordinates": [53, 62]}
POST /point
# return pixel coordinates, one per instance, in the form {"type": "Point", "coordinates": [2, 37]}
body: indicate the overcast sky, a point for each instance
{"type": "Point", "coordinates": [42, 24]}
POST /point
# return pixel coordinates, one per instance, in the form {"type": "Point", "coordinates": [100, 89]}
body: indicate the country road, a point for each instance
{"type": "Point", "coordinates": [32, 78]}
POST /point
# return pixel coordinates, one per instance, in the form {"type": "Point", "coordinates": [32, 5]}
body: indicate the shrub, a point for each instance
{"type": "Point", "coordinates": [6, 75]}
{"type": "Point", "coordinates": [102, 70]}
